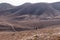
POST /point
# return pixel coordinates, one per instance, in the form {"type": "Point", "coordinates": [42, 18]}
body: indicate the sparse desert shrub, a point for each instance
{"type": "Point", "coordinates": [55, 37]}
{"type": "Point", "coordinates": [34, 38]}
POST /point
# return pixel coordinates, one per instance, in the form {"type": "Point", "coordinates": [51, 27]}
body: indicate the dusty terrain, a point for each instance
{"type": "Point", "coordinates": [40, 34]}
{"type": "Point", "coordinates": [38, 21]}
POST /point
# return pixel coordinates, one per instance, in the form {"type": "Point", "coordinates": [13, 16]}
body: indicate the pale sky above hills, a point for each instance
{"type": "Point", "coordinates": [19, 2]}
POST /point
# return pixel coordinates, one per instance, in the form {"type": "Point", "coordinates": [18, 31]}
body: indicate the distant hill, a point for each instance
{"type": "Point", "coordinates": [56, 5]}
{"type": "Point", "coordinates": [5, 6]}
{"type": "Point", "coordinates": [28, 15]}
{"type": "Point", "coordinates": [48, 9]}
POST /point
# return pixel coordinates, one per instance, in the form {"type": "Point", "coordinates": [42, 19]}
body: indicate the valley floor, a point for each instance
{"type": "Point", "coordinates": [40, 34]}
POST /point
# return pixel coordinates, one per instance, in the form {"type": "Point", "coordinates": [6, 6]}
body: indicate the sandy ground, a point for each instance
{"type": "Point", "coordinates": [40, 34]}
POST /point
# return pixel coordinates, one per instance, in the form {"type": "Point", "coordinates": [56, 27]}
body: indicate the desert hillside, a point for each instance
{"type": "Point", "coordinates": [29, 16]}
{"type": "Point", "coordinates": [30, 21]}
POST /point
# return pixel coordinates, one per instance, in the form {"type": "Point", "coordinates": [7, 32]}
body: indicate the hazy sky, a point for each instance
{"type": "Point", "coordinates": [19, 2]}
